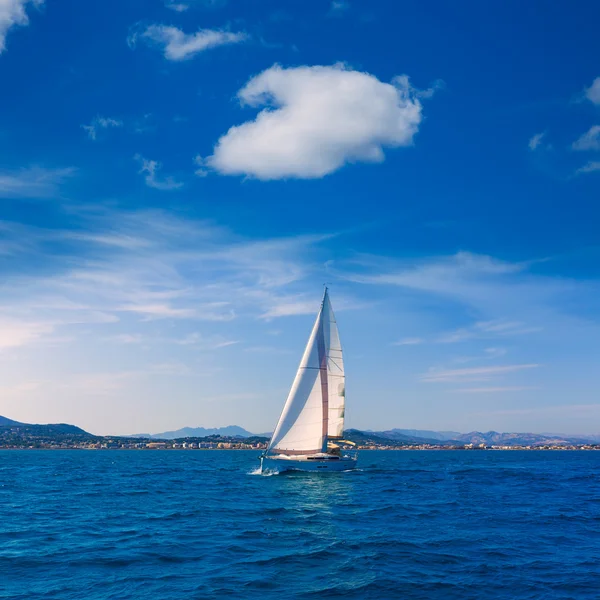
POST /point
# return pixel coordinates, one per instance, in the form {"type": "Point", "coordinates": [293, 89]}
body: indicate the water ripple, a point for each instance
{"type": "Point", "coordinates": [410, 525]}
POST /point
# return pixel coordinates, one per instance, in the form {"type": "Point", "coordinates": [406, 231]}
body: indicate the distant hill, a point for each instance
{"type": "Point", "coordinates": [199, 432]}
{"type": "Point", "coordinates": [43, 430]}
{"type": "Point", "coordinates": [489, 438]}
{"type": "Point", "coordinates": [5, 422]}
{"type": "Point", "coordinates": [493, 438]}
{"type": "Point", "coordinates": [379, 437]}
{"type": "Point", "coordinates": [395, 436]}
{"type": "Point", "coordinates": [590, 437]}
{"type": "Point", "coordinates": [420, 433]}
{"type": "Point", "coordinates": [14, 434]}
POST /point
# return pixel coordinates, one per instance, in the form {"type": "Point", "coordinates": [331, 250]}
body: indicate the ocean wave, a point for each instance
{"type": "Point", "coordinates": [128, 526]}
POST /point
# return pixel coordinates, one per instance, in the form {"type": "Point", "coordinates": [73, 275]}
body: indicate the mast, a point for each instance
{"type": "Point", "coordinates": [323, 374]}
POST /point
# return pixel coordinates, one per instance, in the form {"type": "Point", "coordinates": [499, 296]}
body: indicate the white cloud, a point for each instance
{"type": "Point", "coordinates": [200, 162]}
{"type": "Point", "coordinates": [472, 374]}
{"type": "Point", "coordinates": [488, 354]}
{"type": "Point", "coordinates": [13, 12]}
{"type": "Point", "coordinates": [590, 140]}
{"type": "Point", "coordinates": [99, 384]}
{"type": "Point", "coordinates": [19, 389]}
{"type": "Point", "coordinates": [167, 311]}
{"type": "Point", "coordinates": [202, 342]}
{"type": "Point", "coordinates": [184, 6]}
{"type": "Point", "coordinates": [338, 7]}
{"type": "Point", "coordinates": [536, 140]}
{"type": "Point", "coordinates": [177, 6]}
{"type": "Point", "coordinates": [127, 338]}
{"type": "Point", "coordinates": [495, 352]}
{"type": "Point", "coordinates": [487, 329]}
{"type": "Point", "coordinates": [495, 390]}
{"type": "Point", "coordinates": [593, 92]}
{"type": "Point", "coordinates": [506, 298]}
{"type": "Point", "coordinates": [33, 182]}
{"type": "Point", "coordinates": [156, 269]}
{"type": "Point", "coordinates": [171, 368]}
{"type": "Point", "coordinates": [287, 307]}
{"type": "Point", "coordinates": [590, 167]}
{"type": "Point", "coordinates": [159, 311]}
{"type": "Point", "coordinates": [440, 274]}
{"type": "Point", "coordinates": [408, 342]}
{"type": "Point", "coordinates": [18, 332]}
{"type": "Point", "coordinates": [316, 120]}
{"type": "Point", "coordinates": [150, 168]}
{"type": "Point", "coordinates": [266, 350]}
{"type": "Point", "coordinates": [177, 45]}
{"type": "Point", "coordinates": [100, 123]}
{"type": "Point", "coordinates": [436, 86]}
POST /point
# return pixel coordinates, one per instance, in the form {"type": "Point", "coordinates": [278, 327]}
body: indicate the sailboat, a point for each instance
{"type": "Point", "coordinates": [308, 435]}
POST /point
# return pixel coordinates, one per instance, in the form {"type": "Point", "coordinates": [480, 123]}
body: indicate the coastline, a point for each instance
{"type": "Point", "coordinates": [397, 449]}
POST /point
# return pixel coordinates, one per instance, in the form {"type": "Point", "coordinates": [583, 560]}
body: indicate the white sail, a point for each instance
{"type": "Point", "coordinates": [300, 426]}
{"type": "Point", "coordinates": [314, 409]}
{"type": "Point", "coordinates": [336, 379]}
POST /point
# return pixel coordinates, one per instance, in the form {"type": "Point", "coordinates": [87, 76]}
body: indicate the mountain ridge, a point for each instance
{"type": "Point", "coordinates": [188, 432]}
{"type": "Point", "coordinates": [394, 435]}
{"type": "Point", "coordinates": [419, 433]}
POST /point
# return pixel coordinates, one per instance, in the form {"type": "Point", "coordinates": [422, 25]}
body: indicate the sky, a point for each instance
{"type": "Point", "coordinates": [179, 178]}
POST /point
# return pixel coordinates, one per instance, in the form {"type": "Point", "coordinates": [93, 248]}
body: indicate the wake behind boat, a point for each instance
{"type": "Point", "coordinates": [312, 420]}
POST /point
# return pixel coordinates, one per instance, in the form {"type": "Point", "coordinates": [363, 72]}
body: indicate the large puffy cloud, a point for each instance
{"type": "Point", "coordinates": [12, 12]}
{"type": "Point", "coordinates": [315, 120]}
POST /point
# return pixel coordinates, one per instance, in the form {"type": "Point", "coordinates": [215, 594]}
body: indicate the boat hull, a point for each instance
{"type": "Point", "coordinates": [274, 464]}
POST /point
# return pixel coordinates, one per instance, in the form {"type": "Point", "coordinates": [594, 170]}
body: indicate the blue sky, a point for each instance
{"type": "Point", "coordinates": [179, 178]}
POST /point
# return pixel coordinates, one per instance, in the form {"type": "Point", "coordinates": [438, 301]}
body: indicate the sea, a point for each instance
{"type": "Point", "coordinates": [193, 524]}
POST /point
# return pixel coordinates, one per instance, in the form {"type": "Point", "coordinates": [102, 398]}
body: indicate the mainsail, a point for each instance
{"type": "Point", "coordinates": [314, 410]}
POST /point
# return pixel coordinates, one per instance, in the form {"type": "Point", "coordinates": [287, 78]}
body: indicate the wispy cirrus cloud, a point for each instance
{"type": "Point", "coordinates": [98, 123]}
{"type": "Point", "coordinates": [509, 298]}
{"type": "Point", "coordinates": [14, 13]}
{"type": "Point", "coordinates": [150, 168]}
{"type": "Point", "coordinates": [177, 45]}
{"type": "Point", "coordinates": [592, 93]}
{"type": "Point", "coordinates": [150, 266]}
{"type": "Point", "coordinates": [472, 374]}
{"type": "Point", "coordinates": [211, 343]}
{"type": "Point", "coordinates": [16, 332]}
{"type": "Point", "coordinates": [194, 340]}
{"type": "Point", "coordinates": [177, 6]}
{"type": "Point", "coordinates": [486, 330]}
{"type": "Point", "coordinates": [338, 7]}
{"type": "Point", "coordinates": [536, 140]}
{"type": "Point", "coordinates": [590, 140]}
{"type": "Point", "coordinates": [217, 311]}
{"type": "Point", "coordinates": [488, 354]}
{"type": "Point", "coordinates": [495, 390]}
{"type": "Point", "coordinates": [34, 182]}
{"type": "Point", "coordinates": [409, 342]}
{"type": "Point", "coordinates": [590, 167]}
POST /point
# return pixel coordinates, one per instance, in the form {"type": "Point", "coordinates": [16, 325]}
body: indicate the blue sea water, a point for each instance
{"type": "Point", "coordinates": [173, 525]}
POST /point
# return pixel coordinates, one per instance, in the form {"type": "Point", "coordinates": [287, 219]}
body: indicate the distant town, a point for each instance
{"type": "Point", "coordinates": [24, 436]}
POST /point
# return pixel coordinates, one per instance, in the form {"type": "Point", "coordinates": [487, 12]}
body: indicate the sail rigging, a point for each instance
{"type": "Point", "coordinates": [314, 409]}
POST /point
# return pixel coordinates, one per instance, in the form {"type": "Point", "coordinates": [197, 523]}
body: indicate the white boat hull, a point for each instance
{"type": "Point", "coordinates": [278, 464]}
